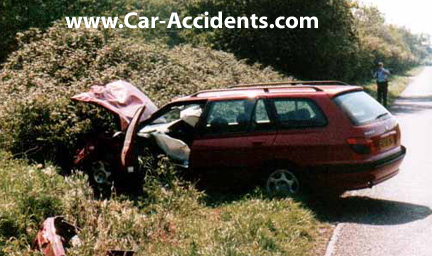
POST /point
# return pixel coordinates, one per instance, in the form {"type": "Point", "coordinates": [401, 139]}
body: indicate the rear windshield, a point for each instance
{"type": "Point", "coordinates": [361, 108]}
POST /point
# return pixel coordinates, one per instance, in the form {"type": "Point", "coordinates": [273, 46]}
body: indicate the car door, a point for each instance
{"type": "Point", "coordinates": [301, 138]}
{"type": "Point", "coordinates": [259, 141]}
{"type": "Point", "coordinates": [235, 138]}
{"type": "Point", "coordinates": [127, 157]}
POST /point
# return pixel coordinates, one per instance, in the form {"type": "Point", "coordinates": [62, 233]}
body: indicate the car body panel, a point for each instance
{"type": "Point", "coordinates": [234, 151]}
{"type": "Point", "coordinates": [121, 98]}
{"type": "Point", "coordinates": [357, 175]}
{"type": "Point", "coordinates": [127, 157]}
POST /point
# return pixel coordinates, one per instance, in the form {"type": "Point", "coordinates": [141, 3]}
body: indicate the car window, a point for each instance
{"type": "Point", "coordinates": [361, 108]}
{"type": "Point", "coordinates": [261, 115]}
{"type": "Point", "coordinates": [229, 116]}
{"type": "Point", "coordinates": [299, 113]}
{"type": "Point", "coordinates": [173, 114]}
{"type": "Point", "coordinates": [261, 119]}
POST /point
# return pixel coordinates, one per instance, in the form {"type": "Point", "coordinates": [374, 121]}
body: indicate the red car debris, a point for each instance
{"type": "Point", "coordinates": [53, 235]}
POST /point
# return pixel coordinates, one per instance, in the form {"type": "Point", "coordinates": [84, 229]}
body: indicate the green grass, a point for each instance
{"type": "Point", "coordinates": [397, 84]}
{"type": "Point", "coordinates": [173, 219]}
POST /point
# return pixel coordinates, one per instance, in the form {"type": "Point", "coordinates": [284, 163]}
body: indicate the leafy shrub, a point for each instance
{"type": "Point", "coordinates": [37, 117]}
{"type": "Point", "coordinates": [21, 15]}
{"type": "Point", "coordinates": [324, 53]}
{"type": "Point", "coordinates": [349, 42]}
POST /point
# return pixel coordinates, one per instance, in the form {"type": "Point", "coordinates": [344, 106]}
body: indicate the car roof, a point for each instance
{"type": "Point", "coordinates": [289, 88]}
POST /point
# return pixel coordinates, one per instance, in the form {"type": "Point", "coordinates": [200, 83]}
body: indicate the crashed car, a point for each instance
{"type": "Point", "coordinates": [315, 134]}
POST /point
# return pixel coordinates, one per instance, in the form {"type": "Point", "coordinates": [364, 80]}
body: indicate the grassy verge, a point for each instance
{"type": "Point", "coordinates": [173, 219]}
{"type": "Point", "coordinates": [397, 84]}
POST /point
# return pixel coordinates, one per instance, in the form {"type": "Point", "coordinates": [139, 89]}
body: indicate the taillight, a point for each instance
{"type": "Point", "coordinates": [362, 145]}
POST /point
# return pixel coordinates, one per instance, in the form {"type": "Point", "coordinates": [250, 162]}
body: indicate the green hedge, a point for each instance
{"type": "Point", "coordinates": [349, 42]}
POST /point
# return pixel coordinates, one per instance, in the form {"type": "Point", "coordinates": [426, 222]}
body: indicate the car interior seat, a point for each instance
{"type": "Point", "coordinates": [243, 120]}
{"type": "Point", "coordinates": [302, 115]}
{"type": "Point", "coordinates": [218, 124]}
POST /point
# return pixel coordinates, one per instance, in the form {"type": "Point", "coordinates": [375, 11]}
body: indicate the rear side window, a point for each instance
{"type": "Point", "coordinates": [260, 118]}
{"type": "Point", "coordinates": [298, 113]}
{"type": "Point", "coordinates": [361, 108]}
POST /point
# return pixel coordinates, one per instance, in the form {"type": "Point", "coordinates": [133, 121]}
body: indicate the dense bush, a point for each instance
{"type": "Point", "coordinates": [173, 220]}
{"type": "Point", "coordinates": [21, 15]}
{"type": "Point", "coordinates": [36, 115]}
{"type": "Point", "coordinates": [349, 42]}
{"type": "Point", "coordinates": [323, 53]}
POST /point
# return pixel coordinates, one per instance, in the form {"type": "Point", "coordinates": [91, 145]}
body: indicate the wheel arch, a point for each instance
{"type": "Point", "coordinates": [272, 165]}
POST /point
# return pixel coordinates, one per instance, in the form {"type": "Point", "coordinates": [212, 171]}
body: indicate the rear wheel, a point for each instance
{"type": "Point", "coordinates": [283, 182]}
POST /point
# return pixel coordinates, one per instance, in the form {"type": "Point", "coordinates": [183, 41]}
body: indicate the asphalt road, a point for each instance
{"type": "Point", "coordinates": [395, 217]}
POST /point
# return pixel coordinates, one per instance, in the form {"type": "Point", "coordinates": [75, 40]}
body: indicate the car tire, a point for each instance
{"type": "Point", "coordinates": [283, 182]}
{"type": "Point", "coordinates": [99, 175]}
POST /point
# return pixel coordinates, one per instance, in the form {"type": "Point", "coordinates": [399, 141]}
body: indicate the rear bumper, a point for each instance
{"type": "Point", "coordinates": [358, 176]}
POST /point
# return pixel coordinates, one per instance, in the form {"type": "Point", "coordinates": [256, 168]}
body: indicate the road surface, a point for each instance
{"type": "Point", "coordinates": [395, 217]}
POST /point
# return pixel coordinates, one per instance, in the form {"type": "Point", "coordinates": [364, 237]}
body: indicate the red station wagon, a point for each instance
{"type": "Point", "coordinates": [319, 135]}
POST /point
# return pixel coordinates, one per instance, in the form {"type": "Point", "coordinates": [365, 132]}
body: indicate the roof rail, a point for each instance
{"type": "Point", "coordinates": [264, 88]}
{"type": "Point", "coordinates": [267, 86]}
{"type": "Point", "coordinates": [326, 82]}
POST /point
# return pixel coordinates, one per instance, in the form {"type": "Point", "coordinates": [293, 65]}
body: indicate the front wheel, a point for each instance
{"type": "Point", "coordinates": [99, 175]}
{"type": "Point", "coordinates": [283, 183]}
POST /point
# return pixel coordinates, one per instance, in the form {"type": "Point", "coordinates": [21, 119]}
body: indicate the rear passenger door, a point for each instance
{"type": "Point", "coordinates": [301, 138]}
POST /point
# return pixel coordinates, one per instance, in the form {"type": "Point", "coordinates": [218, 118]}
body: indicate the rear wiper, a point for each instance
{"type": "Point", "coordinates": [381, 115]}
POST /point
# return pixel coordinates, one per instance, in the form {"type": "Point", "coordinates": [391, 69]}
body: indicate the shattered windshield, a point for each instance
{"type": "Point", "coordinates": [174, 114]}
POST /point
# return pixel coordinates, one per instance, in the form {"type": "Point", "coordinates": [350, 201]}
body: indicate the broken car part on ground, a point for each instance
{"type": "Point", "coordinates": [56, 234]}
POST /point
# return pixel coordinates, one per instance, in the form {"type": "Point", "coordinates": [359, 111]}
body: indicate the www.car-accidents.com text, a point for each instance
{"type": "Point", "coordinates": [133, 20]}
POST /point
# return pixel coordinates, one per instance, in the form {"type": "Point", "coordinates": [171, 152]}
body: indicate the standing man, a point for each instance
{"type": "Point", "coordinates": [381, 76]}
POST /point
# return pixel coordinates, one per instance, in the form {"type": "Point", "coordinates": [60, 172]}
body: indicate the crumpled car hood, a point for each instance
{"type": "Point", "coordinates": [119, 97]}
